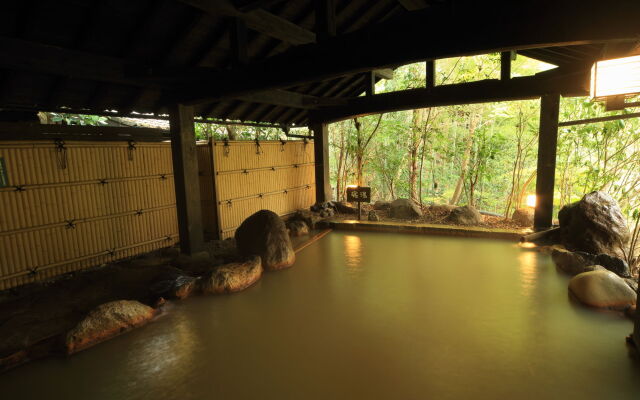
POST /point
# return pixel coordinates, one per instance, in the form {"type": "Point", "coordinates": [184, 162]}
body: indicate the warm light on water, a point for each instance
{"type": "Point", "coordinates": [366, 316]}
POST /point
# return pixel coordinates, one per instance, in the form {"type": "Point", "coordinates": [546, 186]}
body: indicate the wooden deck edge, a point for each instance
{"type": "Point", "coordinates": [312, 240]}
{"type": "Point", "coordinates": [424, 230]}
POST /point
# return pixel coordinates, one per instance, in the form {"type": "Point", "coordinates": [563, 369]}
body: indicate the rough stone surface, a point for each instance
{"type": "Point", "coordinates": [106, 321]}
{"type": "Point", "coordinates": [633, 283]}
{"type": "Point", "coordinates": [523, 216]}
{"type": "Point", "coordinates": [265, 234]}
{"type": "Point", "coordinates": [318, 207]}
{"type": "Point", "coordinates": [297, 228]}
{"type": "Point", "coordinates": [345, 208]}
{"type": "Point", "coordinates": [595, 225]}
{"type": "Point", "coordinates": [571, 262]}
{"type": "Point", "coordinates": [179, 288]}
{"type": "Point", "coordinates": [373, 216]}
{"type": "Point", "coordinates": [233, 277]}
{"type": "Point", "coordinates": [404, 209]}
{"type": "Point", "coordinates": [575, 262]}
{"type": "Point", "coordinates": [308, 217]}
{"type": "Point", "coordinates": [382, 205]}
{"type": "Point", "coordinates": [327, 213]}
{"type": "Point", "coordinates": [465, 215]}
{"type": "Point", "coordinates": [441, 209]}
{"type": "Point", "coordinates": [614, 264]}
{"type": "Point", "coordinates": [602, 289]}
{"type": "Point", "coordinates": [195, 262]}
{"type": "Point", "coordinates": [594, 268]}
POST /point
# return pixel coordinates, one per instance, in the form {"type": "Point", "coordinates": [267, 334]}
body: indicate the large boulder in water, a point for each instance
{"type": "Point", "coordinates": [232, 277]}
{"type": "Point", "coordinates": [465, 215]}
{"type": "Point", "coordinates": [594, 225]}
{"type": "Point", "coordinates": [106, 321]}
{"type": "Point", "coordinates": [404, 209]}
{"type": "Point", "coordinates": [602, 289]}
{"type": "Point", "coordinates": [524, 216]}
{"type": "Point", "coordinates": [265, 234]}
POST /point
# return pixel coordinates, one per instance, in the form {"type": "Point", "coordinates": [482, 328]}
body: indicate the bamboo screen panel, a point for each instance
{"type": "Point", "coordinates": [73, 205]}
{"type": "Point", "coordinates": [252, 176]}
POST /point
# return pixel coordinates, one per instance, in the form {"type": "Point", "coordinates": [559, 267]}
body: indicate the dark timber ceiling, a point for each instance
{"type": "Point", "coordinates": [129, 55]}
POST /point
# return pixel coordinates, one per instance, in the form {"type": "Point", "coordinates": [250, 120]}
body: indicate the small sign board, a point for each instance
{"type": "Point", "coordinates": [4, 179]}
{"type": "Point", "coordinates": [359, 194]}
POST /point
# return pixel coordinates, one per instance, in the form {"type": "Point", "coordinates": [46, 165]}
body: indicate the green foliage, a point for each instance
{"type": "Point", "coordinates": [76, 119]}
{"type": "Point", "coordinates": [491, 149]}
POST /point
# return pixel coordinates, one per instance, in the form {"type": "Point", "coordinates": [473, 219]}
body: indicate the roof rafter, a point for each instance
{"type": "Point", "coordinates": [477, 30]}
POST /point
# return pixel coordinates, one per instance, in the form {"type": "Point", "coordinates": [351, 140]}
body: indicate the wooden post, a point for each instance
{"type": "Point", "coordinates": [321, 152]}
{"type": "Point", "coordinates": [505, 65]}
{"type": "Point", "coordinates": [431, 73]}
{"type": "Point", "coordinates": [370, 83]}
{"type": "Point", "coordinates": [547, 145]}
{"type": "Point", "coordinates": [185, 174]}
{"type": "Point", "coordinates": [636, 327]}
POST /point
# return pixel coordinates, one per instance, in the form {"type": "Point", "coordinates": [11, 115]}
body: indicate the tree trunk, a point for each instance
{"type": "Point", "coordinates": [465, 161]}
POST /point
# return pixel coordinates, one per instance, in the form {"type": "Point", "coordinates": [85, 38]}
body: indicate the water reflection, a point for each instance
{"type": "Point", "coordinates": [353, 254]}
{"type": "Point", "coordinates": [528, 266]}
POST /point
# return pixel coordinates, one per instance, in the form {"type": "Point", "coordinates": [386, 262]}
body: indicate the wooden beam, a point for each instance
{"type": "Point", "coordinates": [257, 19]}
{"type": "Point", "coordinates": [384, 73]}
{"type": "Point", "coordinates": [185, 172]}
{"type": "Point", "coordinates": [600, 119]}
{"type": "Point", "coordinates": [431, 74]}
{"type": "Point", "coordinates": [505, 65]}
{"type": "Point", "coordinates": [40, 58]}
{"type": "Point", "coordinates": [36, 131]}
{"type": "Point", "coordinates": [292, 99]}
{"type": "Point", "coordinates": [486, 91]}
{"type": "Point", "coordinates": [546, 172]}
{"type": "Point", "coordinates": [413, 5]}
{"type": "Point", "coordinates": [473, 29]}
{"type": "Point", "coordinates": [24, 55]}
{"type": "Point", "coordinates": [321, 152]}
{"type": "Point", "coordinates": [238, 37]}
{"type": "Point", "coordinates": [325, 19]}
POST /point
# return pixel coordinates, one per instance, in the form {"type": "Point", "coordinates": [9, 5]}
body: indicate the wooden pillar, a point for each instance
{"type": "Point", "coordinates": [370, 83]}
{"type": "Point", "coordinates": [505, 65]}
{"type": "Point", "coordinates": [636, 327]}
{"type": "Point", "coordinates": [547, 145]}
{"type": "Point", "coordinates": [431, 73]}
{"type": "Point", "coordinates": [185, 174]}
{"type": "Point", "coordinates": [321, 152]}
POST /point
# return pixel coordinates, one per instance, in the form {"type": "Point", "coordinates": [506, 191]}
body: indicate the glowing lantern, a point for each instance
{"type": "Point", "coordinates": [531, 200]}
{"type": "Point", "coordinates": [616, 77]}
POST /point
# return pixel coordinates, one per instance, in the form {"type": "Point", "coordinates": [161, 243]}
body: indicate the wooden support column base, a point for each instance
{"type": "Point", "coordinates": [547, 146]}
{"type": "Point", "coordinates": [185, 172]}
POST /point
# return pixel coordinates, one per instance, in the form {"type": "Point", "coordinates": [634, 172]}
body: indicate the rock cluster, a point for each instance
{"type": "Point", "coordinates": [595, 234]}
